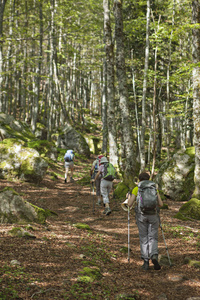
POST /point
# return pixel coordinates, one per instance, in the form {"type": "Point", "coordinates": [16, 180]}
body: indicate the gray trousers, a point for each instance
{"type": "Point", "coordinates": [148, 234]}
{"type": "Point", "coordinates": [106, 187]}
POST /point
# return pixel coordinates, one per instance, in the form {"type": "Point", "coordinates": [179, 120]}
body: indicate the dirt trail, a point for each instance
{"type": "Point", "coordinates": [60, 251]}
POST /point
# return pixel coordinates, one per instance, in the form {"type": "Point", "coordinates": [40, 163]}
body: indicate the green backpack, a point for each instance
{"type": "Point", "coordinates": [109, 172]}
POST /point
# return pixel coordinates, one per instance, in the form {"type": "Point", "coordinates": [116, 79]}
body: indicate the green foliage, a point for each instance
{"type": "Point", "coordinates": [10, 279]}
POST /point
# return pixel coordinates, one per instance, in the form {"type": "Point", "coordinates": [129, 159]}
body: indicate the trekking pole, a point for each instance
{"type": "Point", "coordinates": [165, 242]}
{"type": "Point", "coordinates": [128, 234]}
{"type": "Point", "coordinates": [93, 197]}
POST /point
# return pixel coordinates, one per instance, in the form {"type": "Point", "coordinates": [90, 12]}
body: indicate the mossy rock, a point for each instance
{"type": "Point", "coordinates": [82, 226]}
{"type": "Point", "coordinates": [189, 210]}
{"type": "Point", "coordinates": [42, 214]}
{"type": "Point", "coordinates": [191, 262]}
{"type": "Point", "coordinates": [90, 274]}
{"type": "Point", "coordinates": [20, 232]}
{"type": "Point", "coordinates": [165, 206]}
{"type": "Point", "coordinates": [120, 191]}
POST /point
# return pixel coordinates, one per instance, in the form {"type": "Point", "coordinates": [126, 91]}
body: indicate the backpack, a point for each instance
{"type": "Point", "coordinates": [147, 197]}
{"type": "Point", "coordinates": [109, 172]}
{"type": "Point", "coordinates": [96, 167]}
{"type": "Point", "coordinates": [69, 155]}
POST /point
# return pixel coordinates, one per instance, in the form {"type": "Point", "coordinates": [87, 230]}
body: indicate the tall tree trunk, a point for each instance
{"type": "Point", "coordinates": [2, 7]}
{"type": "Point", "coordinates": [112, 135]}
{"type": "Point", "coordinates": [155, 105]}
{"type": "Point", "coordinates": [146, 66]}
{"type": "Point", "coordinates": [196, 93]}
{"type": "Point", "coordinates": [168, 136]}
{"type": "Point", "coordinates": [104, 109]}
{"type": "Point", "coordinates": [130, 169]}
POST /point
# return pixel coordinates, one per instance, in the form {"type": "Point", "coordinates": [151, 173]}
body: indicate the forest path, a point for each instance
{"type": "Point", "coordinates": [60, 251]}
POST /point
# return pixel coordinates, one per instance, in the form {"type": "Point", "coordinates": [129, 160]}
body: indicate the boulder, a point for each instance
{"type": "Point", "coordinates": [10, 128]}
{"type": "Point", "coordinates": [21, 162]}
{"type": "Point", "coordinates": [13, 209]}
{"type": "Point", "coordinates": [189, 210]}
{"type": "Point", "coordinates": [176, 177]}
{"type": "Point", "coordinates": [72, 139]}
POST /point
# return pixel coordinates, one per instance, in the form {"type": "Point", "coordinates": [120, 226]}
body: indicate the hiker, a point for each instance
{"type": "Point", "coordinates": [147, 222]}
{"type": "Point", "coordinates": [93, 172]}
{"type": "Point", "coordinates": [69, 164]}
{"type": "Point", "coordinates": [106, 184]}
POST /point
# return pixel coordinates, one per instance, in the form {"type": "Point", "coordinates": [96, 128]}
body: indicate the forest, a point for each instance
{"type": "Point", "coordinates": [133, 65]}
{"type": "Point", "coordinates": [114, 77]}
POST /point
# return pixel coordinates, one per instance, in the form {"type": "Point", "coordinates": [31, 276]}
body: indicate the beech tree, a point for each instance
{"type": "Point", "coordinates": [130, 166]}
{"type": "Point", "coordinates": [111, 122]}
{"type": "Point", "coordinates": [196, 92]}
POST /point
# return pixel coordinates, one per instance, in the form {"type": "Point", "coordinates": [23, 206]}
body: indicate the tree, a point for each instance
{"type": "Point", "coordinates": [196, 92]}
{"type": "Point", "coordinates": [2, 7]}
{"type": "Point", "coordinates": [112, 135]}
{"type": "Point", "coordinates": [130, 167]}
{"type": "Point", "coordinates": [146, 65]}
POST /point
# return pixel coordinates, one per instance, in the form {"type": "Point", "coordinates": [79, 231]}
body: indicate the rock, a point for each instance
{"type": "Point", "coordinates": [22, 162]}
{"type": "Point", "coordinates": [176, 277]}
{"type": "Point", "coordinates": [176, 177]}
{"type": "Point", "coordinates": [191, 262]}
{"type": "Point", "coordinates": [190, 209]}
{"type": "Point", "coordinates": [14, 209]}
{"type": "Point", "coordinates": [72, 139]}
{"type": "Point", "coordinates": [15, 262]}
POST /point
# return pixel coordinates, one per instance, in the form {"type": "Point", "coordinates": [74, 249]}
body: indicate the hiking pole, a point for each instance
{"type": "Point", "coordinates": [125, 207]}
{"type": "Point", "coordinates": [93, 196]}
{"type": "Point", "coordinates": [165, 242]}
{"type": "Point", "coordinates": [128, 234]}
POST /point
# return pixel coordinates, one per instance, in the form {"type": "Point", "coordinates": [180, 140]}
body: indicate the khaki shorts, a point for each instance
{"type": "Point", "coordinates": [69, 165]}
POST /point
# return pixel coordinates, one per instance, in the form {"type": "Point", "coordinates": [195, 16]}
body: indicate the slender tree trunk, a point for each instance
{"type": "Point", "coordinates": [146, 66]}
{"type": "Point", "coordinates": [2, 7]}
{"type": "Point", "coordinates": [196, 93]}
{"type": "Point", "coordinates": [112, 135]}
{"type": "Point", "coordinates": [168, 136]}
{"type": "Point", "coordinates": [154, 105]}
{"type": "Point", "coordinates": [130, 169]}
{"type": "Point", "coordinates": [104, 109]}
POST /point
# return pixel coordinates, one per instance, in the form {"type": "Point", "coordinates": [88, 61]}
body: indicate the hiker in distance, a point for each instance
{"type": "Point", "coordinates": [107, 173]}
{"type": "Point", "coordinates": [93, 172]}
{"type": "Point", "coordinates": [147, 202]}
{"type": "Point", "coordinates": [69, 165]}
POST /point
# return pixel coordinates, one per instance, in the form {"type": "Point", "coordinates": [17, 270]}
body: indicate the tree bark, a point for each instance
{"type": "Point", "coordinates": [130, 168]}
{"type": "Point", "coordinates": [112, 135]}
{"type": "Point", "coordinates": [196, 93]}
{"type": "Point", "coordinates": [2, 7]}
{"type": "Point", "coordinates": [146, 66]}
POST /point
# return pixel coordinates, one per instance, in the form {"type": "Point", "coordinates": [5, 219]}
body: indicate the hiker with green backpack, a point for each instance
{"type": "Point", "coordinates": [147, 202]}
{"type": "Point", "coordinates": [93, 172]}
{"type": "Point", "coordinates": [108, 174]}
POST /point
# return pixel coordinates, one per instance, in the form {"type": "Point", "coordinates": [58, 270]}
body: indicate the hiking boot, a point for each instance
{"type": "Point", "coordinates": [107, 211]}
{"type": "Point", "coordinates": [155, 262]}
{"type": "Point", "coordinates": [71, 179]}
{"type": "Point", "coordinates": [145, 266]}
{"type": "Point", "coordinates": [65, 180]}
